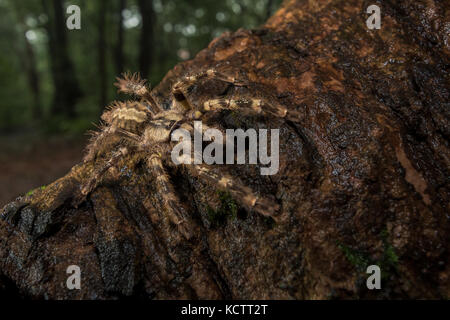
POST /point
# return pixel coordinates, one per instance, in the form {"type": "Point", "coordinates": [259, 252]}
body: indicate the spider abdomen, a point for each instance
{"type": "Point", "coordinates": [128, 116]}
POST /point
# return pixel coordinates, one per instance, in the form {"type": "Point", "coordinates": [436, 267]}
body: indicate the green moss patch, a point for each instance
{"type": "Point", "coordinates": [227, 208]}
{"type": "Point", "coordinates": [361, 260]}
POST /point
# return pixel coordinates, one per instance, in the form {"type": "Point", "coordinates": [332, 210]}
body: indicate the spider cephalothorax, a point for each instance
{"type": "Point", "coordinates": [143, 127]}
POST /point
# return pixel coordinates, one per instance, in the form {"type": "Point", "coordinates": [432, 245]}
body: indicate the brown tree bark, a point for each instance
{"type": "Point", "coordinates": [363, 179]}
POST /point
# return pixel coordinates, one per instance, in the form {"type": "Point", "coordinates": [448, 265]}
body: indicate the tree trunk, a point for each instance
{"type": "Point", "coordinates": [269, 6]}
{"type": "Point", "coordinates": [363, 177]}
{"type": "Point", "coordinates": [102, 74]}
{"type": "Point", "coordinates": [146, 42]}
{"type": "Point", "coordinates": [120, 40]}
{"type": "Point", "coordinates": [28, 60]}
{"type": "Point", "coordinates": [33, 79]}
{"type": "Point", "coordinates": [66, 87]}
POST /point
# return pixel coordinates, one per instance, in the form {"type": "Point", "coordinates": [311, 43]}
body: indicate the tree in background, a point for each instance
{"type": "Point", "coordinates": [59, 75]}
{"type": "Point", "coordinates": [66, 87]}
{"type": "Point", "coordinates": [146, 41]}
{"type": "Point", "coordinates": [102, 53]}
{"type": "Point", "coordinates": [119, 56]}
{"type": "Point", "coordinates": [27, 57]}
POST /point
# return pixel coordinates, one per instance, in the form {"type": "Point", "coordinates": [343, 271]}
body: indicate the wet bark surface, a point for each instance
{"type": "Point", "coordinates": [363, 178]}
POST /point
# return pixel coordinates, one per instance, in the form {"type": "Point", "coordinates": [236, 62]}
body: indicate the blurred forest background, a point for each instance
{"type": "Point", "coordinates": [55, 82]}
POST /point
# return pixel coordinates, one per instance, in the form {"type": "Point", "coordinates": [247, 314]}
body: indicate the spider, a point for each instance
{"type": "Point", "coordinates": [143, 127]}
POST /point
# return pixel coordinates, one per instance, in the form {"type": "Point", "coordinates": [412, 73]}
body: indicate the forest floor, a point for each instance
{"type": "Point", "coordinates": [28, 161]}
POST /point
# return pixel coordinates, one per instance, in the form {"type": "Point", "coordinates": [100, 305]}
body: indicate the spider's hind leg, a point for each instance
{"type": "Point", "coordinates": [98, 174]}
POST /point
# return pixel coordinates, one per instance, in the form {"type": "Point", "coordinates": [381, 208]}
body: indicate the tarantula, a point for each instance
{"type": "Point", "coordinates": [143, 127]}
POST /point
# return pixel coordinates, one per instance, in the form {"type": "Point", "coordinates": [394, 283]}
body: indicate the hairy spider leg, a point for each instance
{"type": "Point", "coordinates": [167, 196]}
{"type": "Point", "coordinates": [181, 88]}
{"type": "Point", "coordinates": [112, 162]}
{"type": "Point", "coordinates": [252, 106]}
{"type": "Point", "coordinates": [132, 84]}
{"type": "Point", "coordinates": [243, 194]}
{"type": "Point", "coordinates": [220, 177]}
{"type": "Point", "coordinates": [214, 74]}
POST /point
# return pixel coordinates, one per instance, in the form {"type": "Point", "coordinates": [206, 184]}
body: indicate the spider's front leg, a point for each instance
{"type": "Point", "coordinates": [132, 84]}
{"type": "Point", "coordinates": [258, 104]}
{"type": "Point", "coordinates": [264, 106]}
{"type": "Point", "coordinates": [220, 177]}
{"type": "Point", "coordinates": [180, 89]}
{"type": "Point", "coordinates": [243, 194]}
{"type": "Point", "coordinates": [212, 74]}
